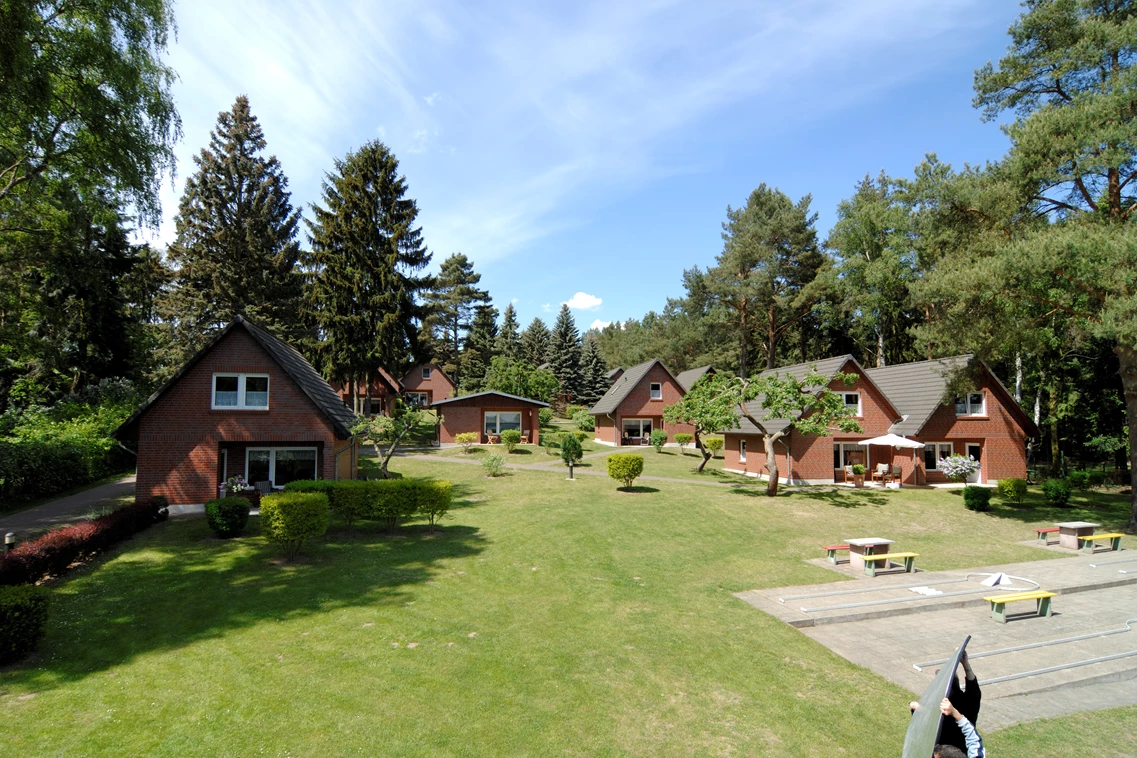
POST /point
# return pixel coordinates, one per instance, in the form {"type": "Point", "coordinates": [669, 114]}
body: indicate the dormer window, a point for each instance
{"type": "Point", "coordinates": [853, 403]}
{"type": "Point", "coordinates": [656, 391]}
{"type": "Point", "coordinates": [426, 370]}
{"type": "Point", "coordinates": [240, 392]}
{"type": "Point", "coordinates": [971, 404]}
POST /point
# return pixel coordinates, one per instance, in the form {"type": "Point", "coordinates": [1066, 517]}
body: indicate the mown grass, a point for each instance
{"type": "Point", "coordinates": [546, 618]}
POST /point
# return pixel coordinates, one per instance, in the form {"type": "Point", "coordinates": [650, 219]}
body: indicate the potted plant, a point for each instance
{"type": "Point", "coordinates": [858, 475]}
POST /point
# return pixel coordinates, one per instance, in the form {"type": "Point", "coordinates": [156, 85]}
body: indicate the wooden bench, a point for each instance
{"type": "Point", "coordinates": [1091, 540]}
{"type": "Point", "coordinates": [999, 603]}
{"type": "Point", "coordinates": [832, 550]}
{"type": "Point", "coordinates": [1045, 532]}
{"type": "Point", "coordinates": [871, 561]}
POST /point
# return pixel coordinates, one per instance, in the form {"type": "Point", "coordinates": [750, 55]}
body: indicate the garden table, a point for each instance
{"type": "Point", "coordinates": [862, 546]}
{"type": "Point", "coordinates": [1069, 531]}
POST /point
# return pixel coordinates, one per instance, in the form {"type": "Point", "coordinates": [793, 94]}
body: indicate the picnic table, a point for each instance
{"type": "Point", "coordinates": [1070, 531]}
{"type": "Point", "coordinates": [862, 546]}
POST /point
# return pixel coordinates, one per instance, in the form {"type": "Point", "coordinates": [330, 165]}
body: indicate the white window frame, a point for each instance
{"type": "Point", "coordinates": [650, 422]}
{"type": "Point", "coordinates": [655, 390]}
{"type": "Point", "coordinates": [969, 406]}
{"type": "Point", "coordinates": [272, 460]}
{"type": "Point", "coordinates": [860, 410]}
{"type": "Point", "coordinates": [240, 406]}
{"type": "Point", "coordinates": [420, 399]}
{"type": "Point", "coordinates": [742, 451]}
{"type": "Point", "coordinates": [940, 447]}
{"type": "Point", "coordinates": [861, 447]}
{"type": "Point", "coordinates": [426, 372]}
{"type": "Point", "coordinates": [497, 421]}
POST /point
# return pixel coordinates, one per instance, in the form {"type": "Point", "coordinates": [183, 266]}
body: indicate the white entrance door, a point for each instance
{"type": "Point", "coordinates": [976, 452]}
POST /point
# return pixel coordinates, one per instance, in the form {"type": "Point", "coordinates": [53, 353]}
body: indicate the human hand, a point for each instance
{"type": "Point", "coordinates": [913, 706]}
{"type": "Point", "coordinates": [947, 709]}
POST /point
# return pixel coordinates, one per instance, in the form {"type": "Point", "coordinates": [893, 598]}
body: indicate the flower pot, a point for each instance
{"type": "Point", "coordinates": [858, 480]}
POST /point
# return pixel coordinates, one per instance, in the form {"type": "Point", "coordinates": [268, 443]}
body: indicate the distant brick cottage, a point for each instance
{"type": "Point", "coordinates": [246, 404]}
{"type": "Point", "coordinates": [488, 414]}
{"type": "Point", "coordinates": [633, 406]}
{"type": "Point", "coordinates": [426, 384]}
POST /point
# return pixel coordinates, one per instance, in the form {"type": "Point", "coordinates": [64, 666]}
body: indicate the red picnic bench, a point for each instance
{"type": "Point", "coordinates": [831, 551]}
{"type": "Point", "coordinates": [1045, 532]}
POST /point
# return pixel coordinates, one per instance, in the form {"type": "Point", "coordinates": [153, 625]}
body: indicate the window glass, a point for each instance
{"type": "Point", "coordinates": [930, 457]}
{"type": "Point", "coordinates": [960, 406]}
{"type": "Point", "coordinates": [945, 450]}
{"type": "Point", "coordinates": [656, 391]}
{"type": "Point", "coordinates": [294, 464]}
{"type": "Point", "coordinates": [491, 423]}
{"type": "Point", "coordinates": [259, 465]}
{"type": "Point", "coordinates": [836, 455]}
{"type": "Point", "coordinates": [637, 427]}
{"type": "Point", "coordinates": [742, 450]}
{"type": "Point", "coordinates": [853, 402]}
{"type": "Point", "coordinates": [508, 421]}
{"type": "Point", "coordinates": [976, 403]}
{"type": "Point", "coordinates": [426, 373]}
{"type": "Point", "coordinates": [256, 391]}
{"type": "Point", "coordinates": [224, 390]}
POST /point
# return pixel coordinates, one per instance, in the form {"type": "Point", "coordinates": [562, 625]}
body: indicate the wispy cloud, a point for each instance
{"type": "Point", "coordinates": [598, 324]}
{"type": "Point", "coordinates": [582, 301]}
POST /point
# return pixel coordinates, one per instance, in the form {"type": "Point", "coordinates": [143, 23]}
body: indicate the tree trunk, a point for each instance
{"type": "Point", "coordinates": [1052, 422]}
{"type": "Point", "coordinates": [387, 458]}
{"type": "Point", "coordinates": [1128, 360]}
{"type": "Point", "coordinates": [702, 450]}
{"type": "Point", "coordinates": [743, 345]}
{"type": "Point", "coordinates": [880, 359]}
{"type": "Point", "coordinates": [768, 441]}
{"type": "Point", "coordinates": [771, 337]}
{"type": "Point", "coordinates": [1019, 378]}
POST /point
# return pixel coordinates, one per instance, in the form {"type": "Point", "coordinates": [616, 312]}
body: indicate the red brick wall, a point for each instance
{"type": "Point", "coordinates": [179, 437]}
{"type": "Point", "coordinates": [464, 416]}
{"type": "Point", "coordinates": [605, 429]}
{"type": "Point", "coordinates": [437, 386]}
{"type": "Point", "coordinates": [638, 404]}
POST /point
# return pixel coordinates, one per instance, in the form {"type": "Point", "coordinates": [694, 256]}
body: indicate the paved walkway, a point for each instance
{"type": "Point", "coordinates": [65, 510]}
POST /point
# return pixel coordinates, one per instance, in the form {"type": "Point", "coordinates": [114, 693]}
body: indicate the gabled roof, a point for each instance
{"type": "Point", "coordinates": [614, 374]}
{"type": "Point", "coordinates": [395, 385]}
{"type": "Point", "coordinates": [432, 367]}
{"type": "Point", "coordinates": [690, 376]}
{"type": "Point", "coordinates": [917, 390]}
{"type": "Point", "coordinates": [489, 392]}
{"type": "Point", "coordinates": [287, 357]}
{"type": "Point", "coordinates": [624, 385]}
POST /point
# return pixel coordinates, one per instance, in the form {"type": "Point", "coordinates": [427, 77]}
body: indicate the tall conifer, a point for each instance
{"type": "Point", "coordinates": [453, 300]}
{"type": "Point", "coordinates": [508, 340]}
{"type": "Point", "coordinates": [478, 352]}
{"type": "Point", "coordinates": [535, 343]}
{"type": "Point", "coordinates": [593, 372]}
{"type": "Point", "coordinates": [564, 353]}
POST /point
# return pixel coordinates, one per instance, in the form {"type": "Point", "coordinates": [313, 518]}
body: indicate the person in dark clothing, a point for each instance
{"type": "Point", "coordinates": [966, 698]}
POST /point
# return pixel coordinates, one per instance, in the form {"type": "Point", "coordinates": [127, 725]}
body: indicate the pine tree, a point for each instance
{"type": "Point", "coordinates": [593, 371]}
{"type": "Point", "coordinates": [564, 353]}
{"type": "Point", "coordinates": [453, 300]}
{"type": "Point", "coordinates": [535, 343]}
{"type": "Point", "coordinates": [508, 341]}
{"type": "Point", "coordinates": [478, 352]}
{"type": "Point", "coordinates": [365, 264]}
{"type": "Point", "coordinates": [236, 248]}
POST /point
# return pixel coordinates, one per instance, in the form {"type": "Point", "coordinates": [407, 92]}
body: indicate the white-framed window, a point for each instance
{"type": "Point", "coordinates": [742, 451]}
{"type": "Point", "coordinates": [426, 372]}
{"type": "Point", "coordinates": [848, 453]}
{"type": "Point", "coordinates": [279, 465]}
{"type": "Point", "coordinates": [248, 392]}
{"type": "Point", "coordinates": [498, 421]}
{"type": "Point", "coordinates": [934, 452]}
{"type": "Point", "coordinates": [418, 399]}
{"type": "Point", "coordinates": [853, 403]}
{"type": "Point", "coordinates": [637, 427]}
{"type": "Point", "coordinates": [656, 390]}
{"type": "Point", "coordinates": [971, 404]}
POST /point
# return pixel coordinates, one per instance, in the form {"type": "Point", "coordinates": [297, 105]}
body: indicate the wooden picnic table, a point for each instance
{"type": "Point", "coordinates": [861, 546]}
{"type": "Point", "coordinates": [1070, 531]}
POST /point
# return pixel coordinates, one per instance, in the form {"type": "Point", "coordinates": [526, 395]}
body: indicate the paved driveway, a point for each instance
{"type": "Point", "coordinates": [66, 509]}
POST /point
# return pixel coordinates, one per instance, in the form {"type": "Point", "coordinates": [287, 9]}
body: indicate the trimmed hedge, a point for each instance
{"type": "Point", "coordinates": [977, 498]}
{"type": "Point", "coordinates": [1012, 489]}
{"type": "Point", "coordinates": [467, 440]}
{"type": "Point", "coordinates": [351, 500]}
{"type": "Point", "coordinates": [386, 500]}
{"type": "Point", "coordinates": [291, 518]}
{"type": "Point", "coordinates": [52, 553]}
{"type": "Point", "coordinates": [1057, 491]}
{"type": "Point", "coordinates": [510, 438]}
{"type": "Point", "coordinates": [683, 440]}
{"type": "Point", "coordinates": [625, 467]}
{"type": "Point", "coordinates": [714, 444]}
{"type": "Point", "coordinates": [23, 616]}
{"type": "Point", "coordinates": [227, 516]}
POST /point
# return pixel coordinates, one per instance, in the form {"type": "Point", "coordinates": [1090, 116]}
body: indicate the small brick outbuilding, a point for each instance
{"type": "Point", "coordinates": [246, 404]}
{"type": "Point", "coordinates": [489, 414]}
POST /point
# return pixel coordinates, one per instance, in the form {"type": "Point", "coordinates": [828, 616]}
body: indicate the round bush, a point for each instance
{"type": "Point", "coordinates": [584, 421]}
{"type": "Point", "coordinates": [571, 451]}
{"type": "Point", "coordinates": [658, 439]}
{"type": "Point", "coordinates": [1079, 480]}
{"type": "Point", "coordinates": [572, 410]}
{"type": "Point", "coordinates": [545, 416]}
{"type": "Point", "coordinates": [977, 498]}
{"type": "Point", "coordinates": [1012, 489]}
{"type": "Point", "coordinates": [510, 438]}
{"type": "Point", "coordinates": [291, 518]}
{"type": "Point", "coordinates": [467, 440]}
{"type": "Point", "coordinates": [714, 444]}
{"type": "Point", "coordinates": [227, 516]}
{"type": "Point", "coordinates": [1097, 478]}
{"type": "Point", "coordinates": [23, 616]}
{"type": "Point", "coordinates": [1057, 491]}
{"type": "Point", "coordinates": [683, 440]}
{"type": "Point", "coordinates": [625, 467]}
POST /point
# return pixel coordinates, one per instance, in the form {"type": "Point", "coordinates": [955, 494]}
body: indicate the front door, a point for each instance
{"type": "Point", "coordinates": [976, 452]}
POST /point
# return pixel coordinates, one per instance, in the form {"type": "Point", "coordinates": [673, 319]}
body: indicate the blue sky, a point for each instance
{"type": "Point", "coordinates": [586, 152]}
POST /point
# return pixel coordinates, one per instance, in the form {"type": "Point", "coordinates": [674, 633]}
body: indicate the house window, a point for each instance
{"type": "Point", "coordinates": [637, 427]}
{"type": "Point", "coordinates": [418, 399]}
{"type": "Point", "coordinates": [847, 453]}
{"type": "Point", "coordinates": [742, 451]}
{"type": "Point", "coordinates": [426, 371]}
{"type": "Point", "coordinates": [656, 391]}
{"type": "Point", "coordinates": [240, 391]}
{"type": "Point", "coordinates": [934, 452]}
{"type": "Point", "coordinates": [280, 465]}
{"type": "Point", "coordinates": [498, 421]}
{"type": "Point", "coordinates": [853, 403]}
{"type": "Point", "coordinates": [971, 404]}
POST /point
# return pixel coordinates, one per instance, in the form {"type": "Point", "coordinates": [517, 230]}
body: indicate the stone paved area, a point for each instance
{"type": "Point", "coordinates": [891, 638]}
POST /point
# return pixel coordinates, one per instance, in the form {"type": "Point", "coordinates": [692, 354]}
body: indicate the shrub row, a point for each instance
{"type": "Point", "coordinates": [52, 553]}
{"type": "Point", "coordinates": [386, 500]}
{"type": "Point", "coordinates": [23, 616]}
{"type": "Point", "coordinates": [290, 518]}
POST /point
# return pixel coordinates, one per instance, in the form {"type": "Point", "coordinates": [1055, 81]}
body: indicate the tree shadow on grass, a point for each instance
{"type": "Point", "coordinates": [521, 451]}
{"type": "Point", "coordinates": [1109, 510]}
{"type": "Point", "coordinates": [174, 585]}
{"type": "Point", "coordinates": [636, 489]}
{"type": "Point", "coordinates": [840, 498]}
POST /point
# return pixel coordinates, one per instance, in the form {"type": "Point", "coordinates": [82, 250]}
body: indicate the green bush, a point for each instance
{"type": "Point", "coordinates": [545, 416]}
{"type": "Point", "coordinates": [714, 444]}
{"type": "Point", "coordinates": [1012, 489]}
{"type": "Point", "coordinates": [386, 500]}
{"type": "Point", "coordinates": [434, 500]}
{"type": "Point", "coordinates": [580, 436]}
{"type": "Point", "coordinates": [351, 500]}
{"type": "Point", "coordinates": [1097, 478]}
{"type": "Point", "coordinates": [625, 467]}
{"type": "Point", "coordinates": [1079, 480]}
{"type": "Point", "coordinates": [494, 464]}
{"type": "Point", "coordinates": [227, 516]}
{"type": "Point", "coordinates": [467, 440]}
{"type": "Point", "coordinates": [658, 439]}
{"type": "Point", "coordinates": [858, 469]}
{"type": "Point", "coordinates": [291, 518]}
{"type": "Point", "coordinates": [549, 442]}
{"type": "Point", "coordinates": [311, 485]}
{"type": "Point", "coordinates": [572, 410]}
{"type": "Point", "coordinates": [585, 421]}
{"type": "Point", "coordinates": [977, 498]}
{"type": "Point", "coordinates": [23, 617]}
{"type": "Point", "coordinates": [683, 440]}
{"type": "Point", "coordinates": [510, 438]}
{"type": "Point", "coordinates": [1057, 491]}
{"type": "Point", "coordinates": [571, 451]}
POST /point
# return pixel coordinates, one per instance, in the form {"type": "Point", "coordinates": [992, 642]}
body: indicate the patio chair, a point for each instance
{"type": "Point", "coordinates": [265, 488]}
{"type": "Point", "coordinates": [896, 475]}
{"type": "Point", "coordinates": [881, 472]}
{"type": "Point", "coordinates": [848, 473]}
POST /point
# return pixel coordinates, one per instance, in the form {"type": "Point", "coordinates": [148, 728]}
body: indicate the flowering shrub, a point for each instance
{"type": "Point", "coordinates": [235, 484]}
{"type": "Point", "coordinates": [958, 467]}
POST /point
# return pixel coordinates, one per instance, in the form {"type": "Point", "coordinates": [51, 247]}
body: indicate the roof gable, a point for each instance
{"type": "Point", "coordinates": [688, 378]}
{"type": "Point", "coordinates": [487, 393]}
{"type": "Point", "coordinates": [627, 382]}
{"type": "Point", "coordinates": [432, 366]}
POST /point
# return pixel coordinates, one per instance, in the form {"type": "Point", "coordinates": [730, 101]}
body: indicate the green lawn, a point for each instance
{"type": "Point", "coordinates": [546, 618]}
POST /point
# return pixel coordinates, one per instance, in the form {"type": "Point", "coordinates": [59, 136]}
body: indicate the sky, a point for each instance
{"type": "Point", "coordinates": [586, 152]}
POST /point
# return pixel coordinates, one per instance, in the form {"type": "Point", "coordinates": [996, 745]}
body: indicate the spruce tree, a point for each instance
{"type": "Point", "coordinates": [365, 268]}
{"type": "Point", "coordinates": [508, 340]}
{"type": "Point", "coordinates": [236, 250]}
{"type": "Point", "coordinates": [452, 301]}
{"type": "Point", "coordinates": [564, 353]}
{"type": "Point", "coordinates": [478, 352]}
{"type": "Point", "coordinates": [593, 372]}
{"type": "Point", "coordinates": [535, 343]}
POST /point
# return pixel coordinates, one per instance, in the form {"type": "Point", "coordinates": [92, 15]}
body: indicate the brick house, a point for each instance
{"type": "Point", "coordinates": [488, 414]}
{"type": "Point", "coordinates": [425, 384]}
{"type": "Point", "coordinates": [907, 400]}
{"type": "Point", "coordinates": [383, 392]}
{"type": "Point", "coordinates": [633, 406]}
{"type": "Point", "coordinates": [246, 404]}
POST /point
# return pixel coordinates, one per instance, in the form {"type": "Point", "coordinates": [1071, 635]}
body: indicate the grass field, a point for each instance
{"type": "Point", "coordinates": [545, 618]}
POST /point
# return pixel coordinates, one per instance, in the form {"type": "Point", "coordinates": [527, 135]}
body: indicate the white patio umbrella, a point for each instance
{"type": "Point", "coordinates": [896, 441]}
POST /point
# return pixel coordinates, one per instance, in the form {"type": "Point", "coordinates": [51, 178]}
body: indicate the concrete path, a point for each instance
{"type": "Point", "coordinates": [65, 510]}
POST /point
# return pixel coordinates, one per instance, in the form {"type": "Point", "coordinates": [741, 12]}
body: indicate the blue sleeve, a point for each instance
{"type": "Point", "coordinates": [971, 738]}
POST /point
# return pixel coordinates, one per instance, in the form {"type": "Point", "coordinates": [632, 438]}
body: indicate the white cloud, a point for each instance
{"type": "Point", "coordinates": [515, 300]}
{"type": "Point", "coordinates": [598, 324]}
{"type": "Point", "coordinates": [431, 98]}
{"type": "Point", "coordinates": [582, 301]}
{"type": "Point", "coordinates": [547, 308]}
